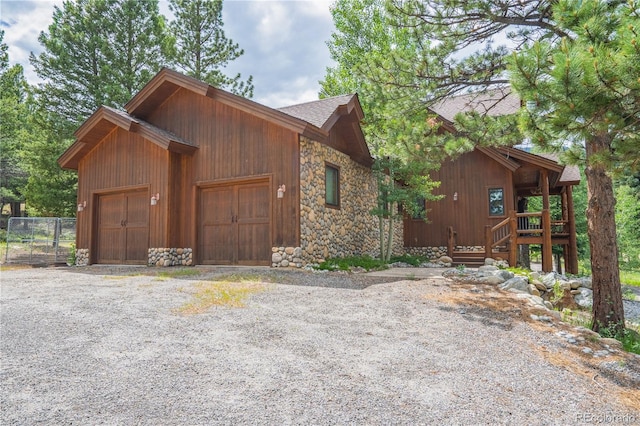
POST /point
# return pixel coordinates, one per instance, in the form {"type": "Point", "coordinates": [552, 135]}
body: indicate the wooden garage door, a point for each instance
{"type": "Point", "coordinates": [122, 234]}
{"type": "Point", "coordinates": [235, 224]}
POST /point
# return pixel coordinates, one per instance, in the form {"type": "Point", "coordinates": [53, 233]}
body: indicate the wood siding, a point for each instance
{"type": "Point", "coordinates": [470, 176]}
{"type": "Point", "coordinates": [122, 162]}
{"type": "Point", "coordinates": [232, 145]}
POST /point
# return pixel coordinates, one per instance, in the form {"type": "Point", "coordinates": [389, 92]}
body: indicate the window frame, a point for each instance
{"type": "Point", "coordinates": [336, 168]}
{"type": "Point", "coordinates": [503, 212]}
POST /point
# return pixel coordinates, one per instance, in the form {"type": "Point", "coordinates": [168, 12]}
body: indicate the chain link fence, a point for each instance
{"type": "Point", "coordinates": [40, 240]}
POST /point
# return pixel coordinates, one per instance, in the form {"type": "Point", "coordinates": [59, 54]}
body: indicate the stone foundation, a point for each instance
{"type": "Point", "coordinates": [286, 257]}
{"type": "Point", "coordinates": [170, 257]}
{"type": "Point", "coordinates": [82, 257]}
{"type": "Point", "coordinates": [428, 252]}
{"type": "Point", "coordinates": [469, 248]}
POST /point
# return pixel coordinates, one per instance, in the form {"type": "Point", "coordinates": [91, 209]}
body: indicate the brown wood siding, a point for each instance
{"type": "Point", "coordinates": [233, 144]}
{"type": "Point", "coordinates": [470, 175]}
{"type": "Point", "coordinates": [123, 161]}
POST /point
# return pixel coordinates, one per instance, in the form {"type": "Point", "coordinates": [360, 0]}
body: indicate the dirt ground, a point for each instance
{"type": "Point", "coordinates": [137, 345]}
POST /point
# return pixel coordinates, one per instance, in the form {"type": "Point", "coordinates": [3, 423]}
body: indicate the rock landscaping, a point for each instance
{"type": "Point", "coordinates": [550, 291]}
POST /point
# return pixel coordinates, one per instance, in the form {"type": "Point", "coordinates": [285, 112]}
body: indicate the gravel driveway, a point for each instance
{"type": "Point", "coordinates": [106, 345]}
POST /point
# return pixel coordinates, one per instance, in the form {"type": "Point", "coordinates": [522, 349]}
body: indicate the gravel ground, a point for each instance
{"type": "Point", "coordinates": [106, 345]}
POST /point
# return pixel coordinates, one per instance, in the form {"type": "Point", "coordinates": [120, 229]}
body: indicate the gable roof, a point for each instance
{"type": "Point", "coordinates": [325, 114]}
{"type": "Point", "coordinates": [571, 172]}
{"type": "Point", "coordinates": [164, 84]}
{"type": "Point", "coordinates": [320, 112]}
{"type": "Point", "coordinates": [494, 103]}
{"type": "Point", "coordinates": [103, 121]}
{"type": "Point", "coordinates": [314, 119]}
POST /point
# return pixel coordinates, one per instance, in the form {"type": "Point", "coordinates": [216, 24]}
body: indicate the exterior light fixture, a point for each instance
{"type": "Point", "coordinates": [154, 199]}
{"type": "Point", "coordinates": [81, 206]}
{"type": "Point", "coordinates": [281, 190]}
{"type": "Point", "coordinates": [455, 196]}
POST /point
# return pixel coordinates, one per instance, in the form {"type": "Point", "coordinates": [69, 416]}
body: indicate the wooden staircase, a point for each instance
{"type": "Point", "coordinates": [471, 259]}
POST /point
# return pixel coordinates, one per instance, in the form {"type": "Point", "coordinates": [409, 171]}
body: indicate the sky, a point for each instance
{"type": "Point", "coordinates": [284, 42]}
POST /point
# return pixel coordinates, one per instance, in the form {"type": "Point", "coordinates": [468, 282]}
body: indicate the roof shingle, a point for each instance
{"type": "Point", "coordinates": [317, 112]}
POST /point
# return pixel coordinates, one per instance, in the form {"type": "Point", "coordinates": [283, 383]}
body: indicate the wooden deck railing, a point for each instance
{"type": "Point", "coordinates": [524, 228]}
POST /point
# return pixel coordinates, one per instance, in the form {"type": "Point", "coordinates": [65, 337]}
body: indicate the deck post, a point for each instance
{"type": "Point", "coordinates": [450, 242]}
{"type": "Point", "coordinates": [488, 242]}
{"type": "Point", "coordinates": [547, 253]}
{"type": "Point", "coordinates": [572, 264]}
{"type": "Point", "coordinates": [513, 238]}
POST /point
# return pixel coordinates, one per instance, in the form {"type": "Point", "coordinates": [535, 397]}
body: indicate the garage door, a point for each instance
{"type": "Point", "coordinates": [123, 228]}
{"type": "Point", "coordinates": [235, 224]}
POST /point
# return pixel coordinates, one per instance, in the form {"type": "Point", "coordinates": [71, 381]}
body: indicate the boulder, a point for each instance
{"type": "Point", "coordinates": [516, 284]}
{"type": "Point", "coordinates": [585, 298]}
{"type": "Point", "coordinates": [539, 285]}
{"type": "Point", "coordinates": [487, 268]}
{"type": "Point", "coordinates": [549, 280]}
{"type": "Point", "coordinates": [503, 273]}
{"type": "Point", "coordinates": [575, 284]}
{"type": "Point", "coordinates": [489, 261]}
{"type": "Point", "coordinates": [492, 279]}
{"type": "Point", "coordinates": [445, 259]}
{"type": "Point", "coordinates": [533, 290]}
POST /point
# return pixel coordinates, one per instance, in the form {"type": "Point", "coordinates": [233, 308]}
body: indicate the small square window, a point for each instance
{"type": "Point", "coordinates": [496, 202]}
{"type": "Point", "coordinates": [420, 208]}
{"type": "Point", "coordinates": [332, 185]}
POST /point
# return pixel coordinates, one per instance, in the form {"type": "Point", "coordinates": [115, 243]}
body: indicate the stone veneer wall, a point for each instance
{"type": "Point", "coordinates": [437, 252]}
{"type": "Point", "coordinates": [170, 257]}
{"type": "Point", "coordinates": [282, 257]}
{"type": "Point", "coordinates": [82, 257]}
{"type": "Point", "coordinates": [348, 231]}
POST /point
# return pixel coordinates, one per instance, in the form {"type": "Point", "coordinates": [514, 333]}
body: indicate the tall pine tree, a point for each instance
{"type": "Point", "coordinates": [96, 52]}
{"type": "Point", "coordinates": [201, 48]}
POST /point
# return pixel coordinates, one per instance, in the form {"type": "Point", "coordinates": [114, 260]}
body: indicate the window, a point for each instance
{"type": "Point", "coordinates": [419, 208]}
{"type": "Point", "coordinates": [496, 202]}
{"type": "Point", "coordinates": [332, 185]}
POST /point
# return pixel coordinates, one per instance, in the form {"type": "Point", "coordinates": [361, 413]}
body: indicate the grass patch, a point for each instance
{"type": "Point", "coordinates": [409, 259]}
{"type": "Point", "coordinates": [178, 273]}
{"type": "Point", "coordinates": [630, 277]}
{"type": "Point", "coordinates": [231, 290]}
{"type": "Point", "coordinates": [346, 263]}
{"type": "Point", "coordinates": [629, 337]}
{"type": "Point", "coordinates": [13, 267]}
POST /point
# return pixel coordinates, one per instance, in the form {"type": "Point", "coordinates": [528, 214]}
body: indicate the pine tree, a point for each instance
{"type": "Point", "coordinates": [96, 52]}
{"type": "Point", "coordinates": [583, 87]}
{"type": "Point", "coordinates": [12, 113]}
{"type": "Point", "coordinates": [201, 48]}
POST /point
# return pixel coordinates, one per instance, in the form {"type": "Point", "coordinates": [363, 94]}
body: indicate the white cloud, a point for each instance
{"type": "Point", "coordinates": [284, 42]}
{"type": "Point", "coordinates": [22, 22]}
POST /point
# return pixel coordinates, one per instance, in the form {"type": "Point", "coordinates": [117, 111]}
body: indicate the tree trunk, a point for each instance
{"type": "Point", "coordinates": [390, 234]}
{"type": "Point", "coordinates": [608, 310]}
{"type": "Point", "coordinates": [558, 257]}
{"type": "Point", "coordinates": [524, 259]}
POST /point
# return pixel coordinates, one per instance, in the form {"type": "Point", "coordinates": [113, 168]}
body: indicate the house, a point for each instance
{"type": "Point", "coordinates": [192, 174]}
{"type": "Point", "coordinates": [478, 216]}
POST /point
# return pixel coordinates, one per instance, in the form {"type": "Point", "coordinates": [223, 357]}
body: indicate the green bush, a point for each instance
{"type": "Point", "coordinates": [3, 235]}
{"type": "Point", "coordinates": [407, 258]}
{"type": "Point", "coordinates": [346, 263]}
